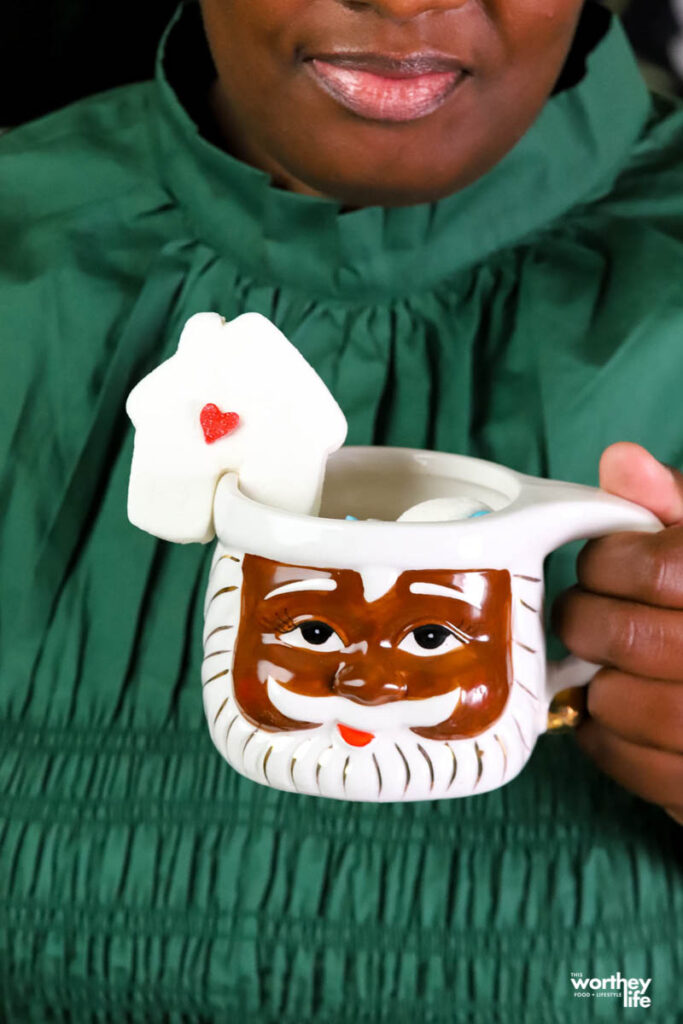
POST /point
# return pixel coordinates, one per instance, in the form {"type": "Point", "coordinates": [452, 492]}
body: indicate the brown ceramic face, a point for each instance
{"type": "Point", "coordinates": [404, 646]}
{"type": "Point", "coordinates": [274, 113]}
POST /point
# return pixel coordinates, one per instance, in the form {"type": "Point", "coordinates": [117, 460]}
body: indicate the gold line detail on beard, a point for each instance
{"type": "Point", "coordinates": [227, 735]}
{"type": "Point", "coordinates": [526, 647]}
{"type": "Point", "coordinates": [480, 762]}
{"type": "Point", "coordinates": [214, 653]}
{"type": "Point", "coordinates": [521, 734]}
{"type": "Point", "coordinates": [248, 741]}
{"type": "Point", "coordinates": [267, 754]}
{"type": "Point", "coordinates": [429, 763]}
{"type": "Point", "coordinates": [379, 775]}
{"type": "Point", "coordinates": [214, 631]}
{"type": "Point", "coordinates": [218, 675]}
{"type": "Point", "coordinates": [455, 767]}
{"type": "Point", "coordinates": [505, 753]}
{"type": "Point", "coordinates": [407, 767]}
{"type": "Point", "coordinates": [292, 764]}
{"type": "Point", "coordinates": [345, 772]}
{"type": "Point", "coordinates": [220, 708]}
{"type": "Point", "coordinates": [223, 590]}
{"type": "Point", "coordinates": [221, 559]}
{"type": "Point", "coordinates": [527, 690]}
{"type": "Point", "coordinates": [319, 766]}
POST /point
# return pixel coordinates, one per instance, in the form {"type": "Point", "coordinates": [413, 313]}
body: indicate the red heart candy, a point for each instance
{"type": "Point", "coordinates": [217, 424]}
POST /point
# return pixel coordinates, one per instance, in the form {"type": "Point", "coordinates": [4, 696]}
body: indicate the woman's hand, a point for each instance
{"type": "Point", "coordinates": [627, 615]}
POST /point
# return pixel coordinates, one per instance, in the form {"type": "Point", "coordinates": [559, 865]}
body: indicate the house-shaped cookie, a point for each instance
{"type": "Point", "coordinates": [236, 397]}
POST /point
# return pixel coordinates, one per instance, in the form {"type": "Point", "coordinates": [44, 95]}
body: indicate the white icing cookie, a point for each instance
{"type": "Point", "coordinates": [235, 397]}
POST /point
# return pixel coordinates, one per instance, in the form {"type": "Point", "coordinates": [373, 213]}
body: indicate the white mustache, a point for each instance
{"type": "Point", "coordinates": [367, 717]}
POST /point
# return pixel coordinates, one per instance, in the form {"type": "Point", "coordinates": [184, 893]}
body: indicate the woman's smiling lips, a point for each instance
{"type": "Point", "coordinates": [382, 88]}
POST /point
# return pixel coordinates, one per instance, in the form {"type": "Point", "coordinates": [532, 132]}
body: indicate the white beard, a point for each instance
{"type": "Point", "coordinates": [397, 764]}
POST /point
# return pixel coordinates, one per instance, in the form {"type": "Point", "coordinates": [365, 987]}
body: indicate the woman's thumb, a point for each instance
{"type": "Point", "coordinates": [631, 472]}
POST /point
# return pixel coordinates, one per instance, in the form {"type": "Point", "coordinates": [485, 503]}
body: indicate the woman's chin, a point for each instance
{"type": "Point", "coordinates": [390, 190]}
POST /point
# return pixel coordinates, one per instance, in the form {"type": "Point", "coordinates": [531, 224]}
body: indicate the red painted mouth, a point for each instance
{"type": "Point", "coordinates": [354, 737]}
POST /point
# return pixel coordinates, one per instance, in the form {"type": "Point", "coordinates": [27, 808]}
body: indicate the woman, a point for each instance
{"type": "Point", "coordinates": [469, 217]}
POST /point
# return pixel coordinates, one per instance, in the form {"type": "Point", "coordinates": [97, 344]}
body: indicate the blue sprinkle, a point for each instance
{"type": "Point", "coordinates": [352, 518]}
{"type": "Point", "coordinates": [482, 512]}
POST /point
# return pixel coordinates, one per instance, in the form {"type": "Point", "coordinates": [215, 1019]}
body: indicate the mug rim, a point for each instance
{"type": "Point", "coordinates": [248, 524]}
{"type": "Point", "coordinates": [538, 516]}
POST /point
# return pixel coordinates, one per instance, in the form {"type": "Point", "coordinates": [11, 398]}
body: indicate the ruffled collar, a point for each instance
{"type": "Point", "coordinates": [570, 156]}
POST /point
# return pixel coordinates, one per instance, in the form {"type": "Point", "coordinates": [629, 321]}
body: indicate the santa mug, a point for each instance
{"type": "Point", "coordinates": [371, 654]}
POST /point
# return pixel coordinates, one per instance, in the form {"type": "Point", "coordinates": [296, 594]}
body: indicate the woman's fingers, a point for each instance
{"type": "Point", "coordinates": [646, 567]}
{"type": "Point", "coordinates": [654, 775]}
{"type": "Point", "coordinates": [647, 712]}
{"type": "Point", "coordinates": [638, 639]}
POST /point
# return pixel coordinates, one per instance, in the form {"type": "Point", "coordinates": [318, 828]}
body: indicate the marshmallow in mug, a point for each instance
{"type": "Point", "coordinates": [438, 510]}
{"type": "Point", "coordinates": [444, 510]}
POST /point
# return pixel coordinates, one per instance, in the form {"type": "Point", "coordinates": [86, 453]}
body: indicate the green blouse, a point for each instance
{"type": "Point", "coordinates": [532, 319]}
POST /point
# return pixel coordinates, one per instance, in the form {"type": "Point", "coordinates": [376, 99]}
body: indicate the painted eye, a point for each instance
{"type": "Point", "coordinates": [313, 636]}
{"type": "Point", "coordinates": [428, 641]}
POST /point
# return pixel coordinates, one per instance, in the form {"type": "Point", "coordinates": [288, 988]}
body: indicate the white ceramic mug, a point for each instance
{"type": "Point", "coordinates": [370, 659]}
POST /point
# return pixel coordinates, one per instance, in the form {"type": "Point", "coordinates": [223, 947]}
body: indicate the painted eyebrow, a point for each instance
{"type": "Point", "coordinates": [437, 590]}
{"type": "Point", "coordinates": [288, 588]}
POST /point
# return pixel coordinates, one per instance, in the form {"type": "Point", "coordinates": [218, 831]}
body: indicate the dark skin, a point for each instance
{"type": "Point", "coordinates": [274, 115]}
{"type": "Point", "coordinates": [627, 611]}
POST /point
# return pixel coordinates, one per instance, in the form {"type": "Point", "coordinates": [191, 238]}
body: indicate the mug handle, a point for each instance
{"type": "Point", "coordinates": [560, 513]}
{"type": "Point", "coordinates": [580, 514]}
{"type": "Point", "coordinates": [567, 681]}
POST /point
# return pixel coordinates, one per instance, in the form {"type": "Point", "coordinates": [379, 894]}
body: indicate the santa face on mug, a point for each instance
{"type": "Point", "coordinates": [426, 651]}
